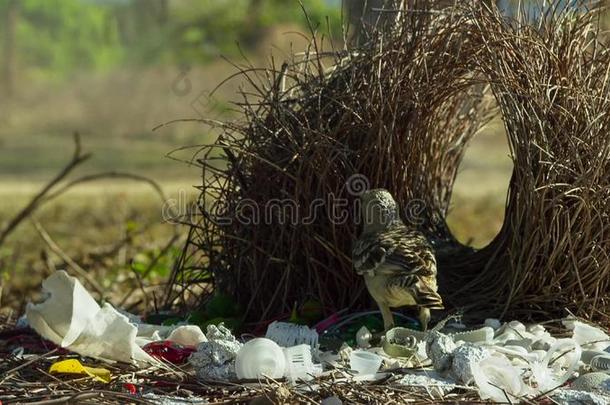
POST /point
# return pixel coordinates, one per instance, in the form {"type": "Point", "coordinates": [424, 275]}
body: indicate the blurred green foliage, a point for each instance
{"type": "Point", "coordinates": [55, 38]}
{"type": "Point", "coordinates": [154, 263]}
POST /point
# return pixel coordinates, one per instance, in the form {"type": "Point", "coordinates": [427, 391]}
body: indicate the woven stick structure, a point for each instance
{"type": "Point", "coordinates": [552, 85]}
{"type": "Point", "coordinates": [398, 112]}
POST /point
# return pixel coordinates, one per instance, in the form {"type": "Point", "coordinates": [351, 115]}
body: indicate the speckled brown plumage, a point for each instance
{"type": "Point", "coordinates": [397, 262]}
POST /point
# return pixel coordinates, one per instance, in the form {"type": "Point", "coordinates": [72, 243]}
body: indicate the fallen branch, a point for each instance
{"type": "Point", "coordinates": [77, 159]}
{"type": "Point", "coordinates": [53, 190]}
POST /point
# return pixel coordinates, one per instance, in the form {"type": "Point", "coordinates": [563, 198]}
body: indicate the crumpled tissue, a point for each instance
{"type": "Point", "coordinates": [70, 318]}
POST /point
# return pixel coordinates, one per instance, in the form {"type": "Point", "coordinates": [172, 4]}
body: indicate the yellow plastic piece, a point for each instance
{"type": "Point", "coordinates": [73, 366]}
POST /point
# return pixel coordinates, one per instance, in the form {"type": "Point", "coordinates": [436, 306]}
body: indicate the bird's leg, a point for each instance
{"type": "Point", "coordinates": [386, 314]}
{"type": "Point", "coordinates": [424, 317]}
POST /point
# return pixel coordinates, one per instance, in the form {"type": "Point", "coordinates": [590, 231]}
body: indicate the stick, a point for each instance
{"type": "Point", "coordinates": [77, 159]}
{"type": "Point", "coordinates": [64, 256]}
{"type": "Point", "coordinates": [27, 363]}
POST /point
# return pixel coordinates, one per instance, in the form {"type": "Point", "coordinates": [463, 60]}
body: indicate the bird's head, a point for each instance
{"type": "Point", "coordinates": [378, 210]}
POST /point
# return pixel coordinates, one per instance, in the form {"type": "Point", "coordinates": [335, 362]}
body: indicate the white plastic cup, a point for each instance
{"type": "Point", "coordinates": [364, 363]}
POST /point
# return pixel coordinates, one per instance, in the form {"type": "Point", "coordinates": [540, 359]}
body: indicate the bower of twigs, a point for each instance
{"type": "Point", "coordinates": [398, 112]}
{"type": "Point", "coordinates": [552, 85]}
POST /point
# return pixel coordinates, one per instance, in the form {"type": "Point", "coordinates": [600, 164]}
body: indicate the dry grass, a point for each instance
{"type": "Point", "coordinates": [104, 226]}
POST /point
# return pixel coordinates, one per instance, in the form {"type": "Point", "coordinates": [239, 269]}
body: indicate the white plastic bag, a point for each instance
{"type": "Point", "coordinates": [71, 318]}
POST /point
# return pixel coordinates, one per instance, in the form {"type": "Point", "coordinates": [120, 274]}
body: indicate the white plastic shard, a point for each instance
{"type": "Point", "coordinates": [589, 337]}
{"type": "Point", "coordinates": [570, 351]}
{"type": "Point", "coordinates": [70, 318]}
{"type": "Point", "coordinates": [363, 337]}
{"type": "Point", "coordinates": [493, 323]}
{"type": "Point", "coordinates": [345, 351]}
{"type": "Point", "coordinates": [365, 363]}
{"type": "Point", "coordinates": [481, 335]}
{"type": "Point", "coordinates": [299, 363]}
{"type": "Point", "coordinates": [498, 380]}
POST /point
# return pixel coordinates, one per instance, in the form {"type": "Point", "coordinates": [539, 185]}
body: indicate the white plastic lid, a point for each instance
{"type": "Point", "coordinates": [260, 358]}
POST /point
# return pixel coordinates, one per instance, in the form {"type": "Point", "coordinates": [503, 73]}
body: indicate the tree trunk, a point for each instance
{"type": "Point", "coordinates": [163, 14]}
{"type": "Point", "coordinates": [363, 13]}
{"type": "Point", "coordinates": [252, 30]}
{"type": "Point", "coordinates": [9, 60]}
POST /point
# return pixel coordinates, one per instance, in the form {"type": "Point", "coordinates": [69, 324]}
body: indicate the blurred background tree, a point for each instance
{"type": "Point", "coordinates": [8, 66]}
{"type": "Point", "coordinates": [109, 69]}
{"type": "Point", "coordinates": [52, 39]}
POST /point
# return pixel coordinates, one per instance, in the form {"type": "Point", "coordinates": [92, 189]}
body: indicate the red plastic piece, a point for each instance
{"type": "Point", "coordinates": [129, 387]}
{"type": "Point", "coordinates": [169, 351]}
